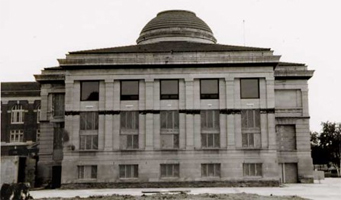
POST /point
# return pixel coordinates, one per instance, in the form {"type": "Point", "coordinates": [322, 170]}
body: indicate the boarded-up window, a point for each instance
{"type": "Point", "coordinates": [288, 98]}
{"type": "Point", "coordinates": [169, 129]}
{"type": "Point", "coordinates": [169, 170]}
{"type": "Point", "coordinates": [169, 89]}
{"type": "Point", "coordinates": [129, 90]}
{"type": "Point", "coordinates": [17, 114]}
{"type": "Point", "coordinates": [129, 138]}
{"type": "Point", "coordinates": [209, 89]}
{"type": "Point", "coordinates": [87, 172]}
{"type": "Point", "coordinates": [210, 137]}
{"type": "Point", "coordinates": [249, 88]}
{"type": "Point", "coordinates": [251, 128]}
{"type": "Point", "coordinates": [129, 171]}
{"type": "Point", "coordinates": [252, 169]}
{"type": "Point", "coordinates": [89, 91]}
{"type": "Point", "coordinates": [210, 170]}
{"type": "Point", "coordinates": [89, 130]}
{"type": "Point", "coordinates": [58, 105]}
{"type": "Point", "coordinates": [286, 137]}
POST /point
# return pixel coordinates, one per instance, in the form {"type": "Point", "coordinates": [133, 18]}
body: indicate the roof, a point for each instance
{"type": "Point", "coordinates": [178, 19]}
{"type": "Point", "coordinates": [171, 46]}
{"type": "Point", "coordinates": [20, 89]}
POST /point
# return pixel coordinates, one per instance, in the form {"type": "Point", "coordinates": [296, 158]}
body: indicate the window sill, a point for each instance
{"type": "Point", "coordinates": [169, 178]}
{"type": "Point", "coordinates": [88, 150]}
{"type": "Point", "coordinates": [169, 149]}
{"type": "Point", "coordinates": [17, 122]}
{"type": "Point", "coordinates": [253, 177]}
{"type": "Point", "coordinates": [250, 148]}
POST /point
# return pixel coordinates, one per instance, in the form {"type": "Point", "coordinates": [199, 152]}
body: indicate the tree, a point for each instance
{"type": "Point", "coordinates": [326, 146]}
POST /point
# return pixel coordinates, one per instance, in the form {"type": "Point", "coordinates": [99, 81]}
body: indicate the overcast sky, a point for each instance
{"type": "Point", "coordinates": [34, 33]}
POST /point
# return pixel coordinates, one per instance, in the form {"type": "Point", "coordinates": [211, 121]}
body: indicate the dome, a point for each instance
{"type": "Point", "coordinates": [176, 25]}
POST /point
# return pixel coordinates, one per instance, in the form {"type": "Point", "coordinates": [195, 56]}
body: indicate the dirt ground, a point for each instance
{"type": "Point", "coordinates": [181, 196]}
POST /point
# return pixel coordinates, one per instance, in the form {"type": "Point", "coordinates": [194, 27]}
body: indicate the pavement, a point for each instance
{"type": "Point", "coordinates": [327, 189]}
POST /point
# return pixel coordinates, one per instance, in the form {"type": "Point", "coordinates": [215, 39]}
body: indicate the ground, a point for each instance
{"type": "Point", "coordinates": [328, 189]}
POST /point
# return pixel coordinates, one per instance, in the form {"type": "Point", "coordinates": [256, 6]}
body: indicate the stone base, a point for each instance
{"type": "Point", "coordinates": [173, 184]}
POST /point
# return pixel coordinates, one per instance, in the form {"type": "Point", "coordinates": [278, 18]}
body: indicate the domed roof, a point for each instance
{"type": "Point", "coordinates": [176, 25]}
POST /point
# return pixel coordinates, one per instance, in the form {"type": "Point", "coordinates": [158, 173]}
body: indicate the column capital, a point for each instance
{"type": "Point", "coordinates": [109, 80]}
{"type": "Point", "coordinates": [189, 79]}
{"type": "Point", "coordinates": [149, 80]}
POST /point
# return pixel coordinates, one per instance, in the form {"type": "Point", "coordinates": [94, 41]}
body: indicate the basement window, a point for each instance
{"type": "Point", "coordinates": [87, 172]}
{"type": "Point", "coordinates": [169, 170]}
{"type": "Point", "coordinates": [210, 170]}
{"type": "Point", "coordinates": [129, 171]}
{"type": "Point", "coordinates": [252, 169]}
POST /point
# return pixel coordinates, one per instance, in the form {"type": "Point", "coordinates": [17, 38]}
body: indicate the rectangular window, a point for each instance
{"type": "Point", "coordinates": [58, 105]}
{"type": "Point", "coordinates": [38, 115]}
{"type": "Point", "coordinates": [58, 131]}
{"type": "Point", "coordinates": [169, 122]}
{"type": "Point", "coordinates": [89, 90]}
{"type": "Point", "coordinates": [129, 171]}
{"type": "Point", "coordinates": [209, 89]}
{"type": "Point", "coordinates": [251, 128]}
{"type": "Point", "coordinates": [88, 130]}
{"type": "Point", "coordinates": [87, 172]}
{"type": "Point", "coordinates": [38, 135]}
{"type": "Point", "coordinates": [252, 169]}
{"type": "Point", "coordinates": [17, 114]}
{"type": "Point", "coordinates": [210, 137]}
{"type": "Point", "coordinates": [169, 170]}
{"type": "Point", "coordinates": [249, 88]}
{"type": "Point", "coordinates": [16, 136]}
{"type": "Point", "coordinates": [169, 89]}
{"type": "Point", "coordinates": [210, 170]}
{"type": "Point", "coordinates": [129, 90]}
{"type": "Point", "coordinates": [129, 138]}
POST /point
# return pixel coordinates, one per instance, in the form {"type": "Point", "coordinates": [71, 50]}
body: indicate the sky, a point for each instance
{"type": "Point", "coordinates": [35, 33]}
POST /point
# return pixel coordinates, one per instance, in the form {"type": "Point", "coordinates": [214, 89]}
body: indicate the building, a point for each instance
{"type": "Point", "coordinates": [176, 108]}
{"type": "Point", "coordinates": [20, 111]}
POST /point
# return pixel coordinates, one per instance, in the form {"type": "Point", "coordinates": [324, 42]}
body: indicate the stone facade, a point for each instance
{"type": "Point", "coordinates": [231, 115]}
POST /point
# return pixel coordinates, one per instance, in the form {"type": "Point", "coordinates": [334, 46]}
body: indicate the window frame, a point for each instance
{"type": "Point", "coordinates": [89, 134]}
{"type": "Point", "coordinates": [204, 96]}
{"type": "Point", "coordinates": [17, 133]}
{"type": "Point", "coordinates": [131, 135]}
{"type": "Point", "coordinates": [81, 90]}
{"type": "Point", "coordinates": [257, 167]}
{"type": "Point", "coordinates": [134, 171]}
{"type": "Point", "coordinates": [251, 134]}
{"type": "Point", "coordinates": [169, 96]}
{"type": "Point", "coordinates": [241, 89]}
{"type": "Point", "coordinates": [205, 167]}
{"type": "Point", "coordinates": [213, 131]}
{"type": "Point", "coordinates": [166, 132]}
{"type": "Point", "coordinates": [85, 172]}
{"type": "Point", "coordinates": [174, 170]}
{"type": "Point", "coordinates": [130, 97]}
{"type": "Point", "coordinates": [17, 114]}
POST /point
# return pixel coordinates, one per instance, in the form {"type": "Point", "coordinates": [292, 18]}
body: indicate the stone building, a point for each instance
{"type": "Point", "coordinates": [20, 111]}
{"type": "Point", "coordinates": [176, 108]}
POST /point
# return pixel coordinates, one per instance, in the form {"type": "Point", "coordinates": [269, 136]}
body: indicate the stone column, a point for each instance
{"type": "Point", "coordinates": [116, 117]}
{"type": "Point", "coordinates": [109, 106]}
{"type": "Point", "coordinates": [230, 122]}
{"type": "Point", "coordinates": [149, 116]}
{"type": "Point", "coordinates": [189, 83]}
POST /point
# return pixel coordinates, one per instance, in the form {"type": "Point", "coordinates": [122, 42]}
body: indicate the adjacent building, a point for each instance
{"type": "Point", "coordinates": [20, 133]}
{"type": "Point", "coordinates": [176, 108]}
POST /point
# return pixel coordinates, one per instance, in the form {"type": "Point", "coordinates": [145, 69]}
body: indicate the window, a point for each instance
{"type": "Point", "coordinates": [169, 129]}
{"type": "Point", "coordinates": [286, 137]}
{"type": "Point", "coordinates": [249, 88]}
{"type": "Point", "coordinates": [129, 130]}
{"type": "Point", "coordinates": [129, 90]}
{"type": "Point", "coordinates": [250, 128]}
{"type": "Point", "coordinates": [58, 105]}
{"type": "Point", "coordinates": [209, 89]}
{"type": "Point", "coordinates": [17, 114]}
{"type": "Point", "coordinates": [129, 171]}
{"type": "Point", "coordinates": [210, 137]}
{"type": "Point", "coordinates": [169, 89]}
{"type": "Point", "coordinates": [210, 170]}
{"type": "Point", "coordinates": [16, 136]}
{"type": "Point", "coordinates": [89, 90]}
{"type": "Point", "coordinates": [87, 172]}
{"type": "Point", "coordinates": [252, 169]}
{"type": "Point", "coordinates": [38, 135]}
{"type": "Point", "coordinates": [169, 170]}
{"type": "Point", "coordinates": [89, 130]}
{"type": "Point", "coordinates": [58, 131]}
